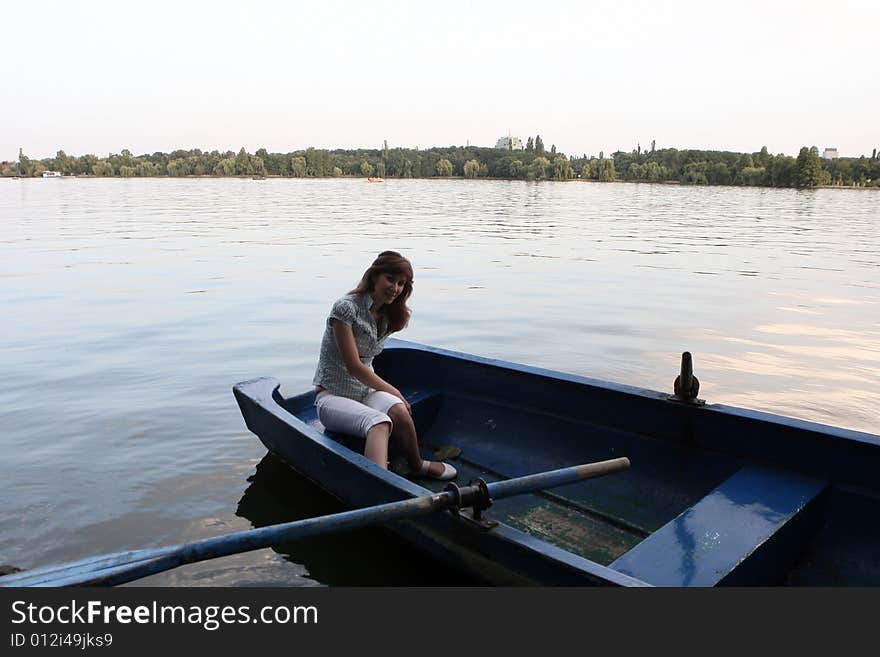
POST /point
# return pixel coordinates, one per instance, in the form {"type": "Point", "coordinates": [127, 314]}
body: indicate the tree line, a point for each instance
{"type": "Point", "coordinates": [760, 168]}
{"type": "Point", "coordinates": [534, 162]}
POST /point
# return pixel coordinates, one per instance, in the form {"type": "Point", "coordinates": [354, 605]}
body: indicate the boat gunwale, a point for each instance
{"type": "Point", "coordinates": [785, 421]}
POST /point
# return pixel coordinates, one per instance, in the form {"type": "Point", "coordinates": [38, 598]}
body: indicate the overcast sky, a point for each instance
{"type": "Point", "coordinates": [98, 77]}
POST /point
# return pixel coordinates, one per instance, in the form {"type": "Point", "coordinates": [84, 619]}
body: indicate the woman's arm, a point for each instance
{"type": "Point", "coordinates": [353, 365]}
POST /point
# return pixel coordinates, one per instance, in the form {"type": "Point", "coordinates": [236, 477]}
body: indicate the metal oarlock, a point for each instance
{"type": "Point", "coordinates": [475, 496]}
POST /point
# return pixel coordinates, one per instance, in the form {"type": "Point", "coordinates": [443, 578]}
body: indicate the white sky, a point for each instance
{"type": "Point", "coordinates": [97, 77]}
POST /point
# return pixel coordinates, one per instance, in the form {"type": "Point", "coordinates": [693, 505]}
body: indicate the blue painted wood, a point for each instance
{"type": "Point", "coordinates": [511, 419]}
{"type": "Point", "coordinates": [740, 527]}
{"type": "Point", "coordinates": [825, 451]}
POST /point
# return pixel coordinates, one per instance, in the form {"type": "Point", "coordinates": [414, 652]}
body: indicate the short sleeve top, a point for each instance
{"type": "Point", "coordinates": [354, 310]}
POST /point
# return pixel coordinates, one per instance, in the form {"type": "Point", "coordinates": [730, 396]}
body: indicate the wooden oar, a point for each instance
{"type": "Point", "coordinates": [120, 567]}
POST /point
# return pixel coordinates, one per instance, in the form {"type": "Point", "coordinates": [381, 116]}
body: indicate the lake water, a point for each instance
{"type": "Point", "coordinates": [131, 307]}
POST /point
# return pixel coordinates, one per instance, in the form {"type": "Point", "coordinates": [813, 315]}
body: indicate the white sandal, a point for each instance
{"type": "Point", "coordinates": [448, 471]}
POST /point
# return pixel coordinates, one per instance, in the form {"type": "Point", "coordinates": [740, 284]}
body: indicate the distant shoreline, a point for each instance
{"type": "Point", "coordinates": [270, 176]}
{"type": "Point", "coordinates": [663, 166]}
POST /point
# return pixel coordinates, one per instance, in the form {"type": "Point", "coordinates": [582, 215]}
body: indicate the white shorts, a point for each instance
{"type": "Point", "coordinates": [345, 415]}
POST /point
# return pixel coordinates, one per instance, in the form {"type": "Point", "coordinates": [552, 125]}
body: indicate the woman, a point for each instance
{"type": "Point", "coordinates": [353, 399]}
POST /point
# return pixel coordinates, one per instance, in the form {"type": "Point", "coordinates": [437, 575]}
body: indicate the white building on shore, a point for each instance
{"type": "Point", "coordinates": [509, 143]}
{"type": "Point", "coordinates": [830, 154]}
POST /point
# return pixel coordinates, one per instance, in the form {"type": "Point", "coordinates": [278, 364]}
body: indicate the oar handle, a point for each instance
{"type": "Point", "coordinates": [553, 478]}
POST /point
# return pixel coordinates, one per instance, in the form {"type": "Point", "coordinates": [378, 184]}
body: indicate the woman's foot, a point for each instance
{"type": "Point", "coordinates": [437, 470]}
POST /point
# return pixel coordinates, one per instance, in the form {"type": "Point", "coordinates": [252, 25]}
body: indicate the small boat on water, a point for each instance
{"type": "Point", "coordinates": [51, 174]}
{"type": "Point", "coordinates": [715, 495]}
{"type": "Point", "coordinates": [375, 179]}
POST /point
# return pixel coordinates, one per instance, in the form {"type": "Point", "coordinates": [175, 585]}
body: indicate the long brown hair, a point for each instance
{"type": "Point", "coordinates": [390, 262]}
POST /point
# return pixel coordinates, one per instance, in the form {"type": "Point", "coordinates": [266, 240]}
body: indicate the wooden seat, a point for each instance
{"type": "Point", "coordinates": [754, 526]}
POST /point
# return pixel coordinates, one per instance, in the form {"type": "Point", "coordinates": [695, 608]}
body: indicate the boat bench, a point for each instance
{"type": "Point", "coordinates": [746, 531]}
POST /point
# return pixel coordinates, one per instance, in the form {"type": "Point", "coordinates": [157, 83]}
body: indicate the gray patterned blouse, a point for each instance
{"type": "Point", "coordinates": [354, 310]}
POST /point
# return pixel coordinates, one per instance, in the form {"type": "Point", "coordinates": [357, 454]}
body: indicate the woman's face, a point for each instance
{"type": "Point", "coordinates": [387, 287]}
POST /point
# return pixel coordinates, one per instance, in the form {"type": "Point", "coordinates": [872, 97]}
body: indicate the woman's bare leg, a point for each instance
{"type": "Point", "coordinates": [377, 444]}
{"type": "Point", "coordinates": [404, 435]}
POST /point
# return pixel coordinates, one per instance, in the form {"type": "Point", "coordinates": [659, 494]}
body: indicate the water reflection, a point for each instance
{"type": "Point", "coordinates": [371, 556]}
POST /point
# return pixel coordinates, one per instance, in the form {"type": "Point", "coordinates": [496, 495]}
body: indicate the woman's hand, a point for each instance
{"type": "Point", "coordinates": [399, 395]}
{"type": "Point", "coordinates": [353, 365]}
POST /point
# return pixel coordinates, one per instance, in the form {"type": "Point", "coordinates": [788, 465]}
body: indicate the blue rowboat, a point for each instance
{"type": "Point", "coordinates": [715, 495]}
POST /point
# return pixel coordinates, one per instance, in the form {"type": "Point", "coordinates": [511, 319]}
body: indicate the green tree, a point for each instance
{"type": "Point", "coordinates": [366, 168]}
{"type": "Point", "coordinates": [63, 163]}
{"type": "Point", "coordinates": [125, 158]}
{"type": "Point", "coordinates": [225, 167]}
{"type": "Point", "coordinates": [750, 176]}
{"type": "Point", "coordinates": [102, 168]}
{"type": "Point", "coordinates": [695, 173]}
{"type": "Point", "coordinates": [517, 169]}
{"type": "Point", "coordinates": [719, 174]}
{"type": "Point", "coordinates": [744, 160]}
{"type": "Point", "coordinates": [298, 166]}
{"type": "Point", "coordinates": [539, 145]}
{"type": "Point", "coordinates": [538, 168]}
{"type": "Point", "coordinates": [24, 166]}
{"type": "Point", "coordinates": [180, 167]}
{"type": "Point", "coordinates": [395, 164]}
{"type": "Point", "coordinates": [444, 168]}
{"type": "Point", "coordinates": [471, 168]}
{"type": "Point", "coordinates": [146, 169]}
{"type": "Point", "coordinates": [530, 144]}
{"type": "Point", "coordinates": [600, 169]}
{"type": "Point", "coordinates": [781, 171]}
{"type": "Point", "coordinates": [258, 167]}
{"type": "Point", "coordinates": [808, 170]}
{"type": "Point", "coordinates": [561, 169]}
{"type": "Point", "coordinates": [337, 172]}
{"type": "Point", "coordinates": [86, 163]}
{"type": "Point", "coordinates": [762, 158]}
{"type": "Point", "coordinates": [655, 171]}
{"type": "Point", "coordinates": [243, 164]}
{"type": "Point", "coordinates": [314, 163]}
